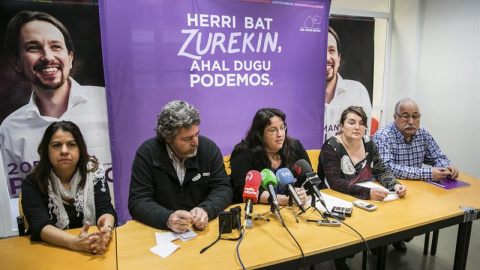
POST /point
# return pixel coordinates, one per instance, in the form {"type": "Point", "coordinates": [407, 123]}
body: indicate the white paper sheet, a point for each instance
{"type": "Point", "coordinates": [165, 237]}
{"type": "Point", "coordinates": [330, 201]}
{"type": "Point", "coordinates": [164, 249]}
{"type": "Point", "coordinates": [370, 184]}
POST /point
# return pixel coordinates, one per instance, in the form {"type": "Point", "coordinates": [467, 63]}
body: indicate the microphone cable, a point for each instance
{"type": "Point", "coordinates": [285, 226]}
{"type": "Point", "coordinates": [219, 237]}
{"type": "Point", "coordinates": [369, 253]}
{"type": "Point", "coordinates": [301, 250]}
{"type": "Point", "coordinates": [216, 240]}
{"type": "Point", "coordinates": [293, 237]}
{"type": "Point", "coordinates": [242, 233]}
{"type": "Point", "coordinates": [240, 238]}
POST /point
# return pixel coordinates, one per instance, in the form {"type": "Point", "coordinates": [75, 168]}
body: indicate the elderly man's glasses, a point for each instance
{"type": "Point", "coordinates": [273, 131]}
{"type": "Point", "coordinates": [406, 117]}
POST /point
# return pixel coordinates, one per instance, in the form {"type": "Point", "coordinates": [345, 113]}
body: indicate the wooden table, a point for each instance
{"type": "Point", "coordinates": [19, 253]}
{"type": "Point", "coordinates": [268, 245]}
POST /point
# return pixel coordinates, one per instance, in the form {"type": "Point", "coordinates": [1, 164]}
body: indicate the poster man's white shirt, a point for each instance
{"type": "Point", "coordinates": [347, 93]}
{"type": "Point", "coordinates": [21, 132]}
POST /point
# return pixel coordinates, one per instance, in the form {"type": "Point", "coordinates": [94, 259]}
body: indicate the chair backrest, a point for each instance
{"type": "Point", "coordinates": [313, 156]}
{"type": "Point", "coordinates": [226, 162]}
{"type": "Point", "coordinates": [373, 126]}
{"type": "Point", "coordinates": [21, 220]}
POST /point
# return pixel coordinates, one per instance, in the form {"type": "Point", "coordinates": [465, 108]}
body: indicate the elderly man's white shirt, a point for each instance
{"type": "Point", "coordinates": [21, 131]}
{"type": "Point", "coordinates": [347, 93]}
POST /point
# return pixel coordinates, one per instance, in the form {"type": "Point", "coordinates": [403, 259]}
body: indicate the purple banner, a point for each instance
{"type": "Point", "coordinates": [227, 58]}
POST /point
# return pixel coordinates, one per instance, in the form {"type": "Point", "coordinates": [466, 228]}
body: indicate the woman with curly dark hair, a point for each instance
{"type": "Point", "coordinates": [266, 146]}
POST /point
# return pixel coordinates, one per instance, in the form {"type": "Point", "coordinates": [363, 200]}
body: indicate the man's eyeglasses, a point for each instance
{"type": "Point", "coordinates": [406, 117]}
{"type": "Point", "coordinates": [273, 131]}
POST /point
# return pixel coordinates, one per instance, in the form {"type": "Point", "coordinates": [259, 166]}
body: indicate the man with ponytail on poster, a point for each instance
{"type": "Point", "coordinates": [340, 93]}
{"type": "Point", "coordinates": [42, 53]}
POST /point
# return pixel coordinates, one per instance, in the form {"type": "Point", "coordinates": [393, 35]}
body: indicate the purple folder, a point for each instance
{"type": "Point", "coordinates": [448, 183]}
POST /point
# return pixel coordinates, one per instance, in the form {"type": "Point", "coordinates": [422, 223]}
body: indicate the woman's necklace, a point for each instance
{"type": "Point", "coordinates": [274, 156]}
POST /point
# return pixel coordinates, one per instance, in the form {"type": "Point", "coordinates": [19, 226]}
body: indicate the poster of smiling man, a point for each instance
{"type": "Point", "coordinates": [51, 70]}
{"type": "Point", "coordinates": [349, 74]}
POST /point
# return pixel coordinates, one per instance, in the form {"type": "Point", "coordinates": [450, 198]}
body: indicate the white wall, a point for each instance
{"type": "Point", "coordinates": [435, 59]}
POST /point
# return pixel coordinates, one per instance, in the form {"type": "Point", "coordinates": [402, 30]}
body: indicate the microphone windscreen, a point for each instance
{"type": "Point", "coordinates": [300, 170]}
{"type": "Point", "coordinates": [285, 177]}
{"type": "Point", "coordinates": [268, 177]}
{"type": "Point", "coordinates": [253, 178]}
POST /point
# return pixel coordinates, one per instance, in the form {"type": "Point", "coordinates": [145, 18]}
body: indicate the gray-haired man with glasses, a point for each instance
{"type": "Point", "coordinates": [405, 147]}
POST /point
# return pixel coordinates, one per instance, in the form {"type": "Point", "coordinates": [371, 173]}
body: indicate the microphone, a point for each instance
{"type": "Point", "coordinates": [300, 169]}
{"type": "Point", "coordinates": [269, 182]}
{"type": "Point", "coordinates": [253, 180]}
{"type": "Point", "coordinates": [309, 179]}
{"type": "Point", "coordinates": [285, 177]}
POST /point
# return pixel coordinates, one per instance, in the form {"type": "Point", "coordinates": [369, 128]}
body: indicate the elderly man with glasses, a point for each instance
{"type": "Point", "coordinates": [405, 147]}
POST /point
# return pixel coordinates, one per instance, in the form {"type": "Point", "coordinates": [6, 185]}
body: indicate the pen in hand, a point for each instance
{"type": "Point", "coordinates": [446, 170]}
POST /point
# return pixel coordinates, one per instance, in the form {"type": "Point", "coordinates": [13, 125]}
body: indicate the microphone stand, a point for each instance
{"type": "Point", "coordinates": [290, 204]}
{"type": "Point", "coordinates": [277, 213]}
{"type": "Point", "coordinates": [313, 203]}
{"type": "Point", "coordinates": [248, 222]}
{"type": "Point", "coordinates": [260, 216]}
{"type": "Point", "coordinates": [273, 209]}
{"type": "Point", "coordinates": [248, 218]}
